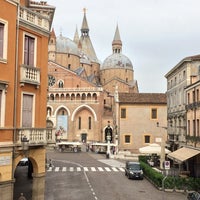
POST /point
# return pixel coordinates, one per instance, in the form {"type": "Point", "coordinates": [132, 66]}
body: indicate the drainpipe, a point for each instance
{"type": "Point", "coordinates": [195, 116]}
{"type": "Point", "coordinates": [15, 83]}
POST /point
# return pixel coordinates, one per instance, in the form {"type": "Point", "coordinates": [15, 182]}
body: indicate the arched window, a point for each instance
{"type": "Point", "coordinates": [89, 123]}
{"type": "Point", "coordinates": [60, 84]}
{"type": "Point", "coordinates": [79, 123]}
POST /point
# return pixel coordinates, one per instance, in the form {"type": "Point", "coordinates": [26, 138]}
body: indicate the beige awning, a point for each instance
{"type": "Point", "coordinates": [183, 154]}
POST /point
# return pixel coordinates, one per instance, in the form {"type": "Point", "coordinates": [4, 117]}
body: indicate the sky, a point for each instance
{"type": "Point", "coordinates": [156, 34]}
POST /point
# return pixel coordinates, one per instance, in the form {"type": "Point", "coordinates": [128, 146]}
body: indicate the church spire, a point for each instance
{"type": "Point", "coordinates": [85, 43]}
{"type": "Point", "coordinates": [84, 28]}
{"type": "Point", "coordinates": [117, 43]}
{"type": "Point", "coordinates": [76, 36]}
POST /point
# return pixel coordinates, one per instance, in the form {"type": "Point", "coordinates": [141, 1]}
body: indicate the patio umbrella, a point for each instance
{"type": "Point", "coordinates": [152, 149]}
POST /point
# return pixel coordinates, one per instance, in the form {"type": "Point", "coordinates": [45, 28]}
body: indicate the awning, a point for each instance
{"type": "Point", "coordinates": [183, 154]}
{"type": "Point", "coordinates": [153, 149]}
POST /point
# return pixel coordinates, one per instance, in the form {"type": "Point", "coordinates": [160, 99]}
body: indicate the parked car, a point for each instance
{"type": "Point", "coordinates": [23, 162]}
{"type": "Point", "coordinates": [133, 170]}
{"type": "Point", "coordinates": [193, 196]}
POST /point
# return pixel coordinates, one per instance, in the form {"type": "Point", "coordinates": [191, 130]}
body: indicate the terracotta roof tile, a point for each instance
{"type": "Point", "coordinates": [143, 98]}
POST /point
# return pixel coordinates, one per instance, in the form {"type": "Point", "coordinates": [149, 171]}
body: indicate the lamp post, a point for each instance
{"type": "Point", "coordinates": [24, 142]}
{"type": "Point", "coordinates": [162, 153]}
{"type": "Point", "coordinates": [108, 138]}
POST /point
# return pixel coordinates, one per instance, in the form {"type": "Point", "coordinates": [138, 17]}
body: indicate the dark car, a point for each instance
{"type": "Point", "coordinates": [193, 196]}
{"type": "Point", "coordinates": [133, 170]}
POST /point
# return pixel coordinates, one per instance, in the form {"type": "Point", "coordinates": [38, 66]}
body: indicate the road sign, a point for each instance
{"type": "Point", "coordinates": [167, 164]}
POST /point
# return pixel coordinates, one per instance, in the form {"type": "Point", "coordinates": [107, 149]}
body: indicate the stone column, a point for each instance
{"type": "Point", "coordinates": [38, 186]}
{"type": "Point", "coordinates": [6, 190]}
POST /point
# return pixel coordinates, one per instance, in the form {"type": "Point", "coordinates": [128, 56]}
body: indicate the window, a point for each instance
{"type": "Point", "coordinates": [154, 113]}
{"type": "Point", "coordinates": [89, 122]}
{"type": "Point", "coordinates": [3, 39]}
{"type": "Point", "coordinates": [147, 139]}
{"type": "Point", "coordinates": [0, 105]}
{"type": "Point", "coordinates": [188, 127]}
{"type": "Point", "coordinates": [193, 96]}
{"type": "Point", "coordinates": [123, 112]}
{"type": "Point", "coordinates": [188, 97]}
{"type": "Point", "coordinates": [29, 48]}
{"type": "Point", "coordinates": [60, 84]}
{"type": "Point", "coordinates": [197, 128]}
{"type": "Point", "coordinates": [27, 110]}
{"type": "Point", "coordinates": [194, 128]}
{"type": "Point", "coordinates": [79, 123]}
{"type": "Point", "coordinates": [127, 138]}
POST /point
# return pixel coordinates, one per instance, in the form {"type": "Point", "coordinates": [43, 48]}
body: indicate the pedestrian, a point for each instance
{"type": "Point", "coordinates": [50, 163]}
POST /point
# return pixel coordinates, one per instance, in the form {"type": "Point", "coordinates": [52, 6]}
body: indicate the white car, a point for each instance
{"type": "Point", "coordinates": [23, 162]}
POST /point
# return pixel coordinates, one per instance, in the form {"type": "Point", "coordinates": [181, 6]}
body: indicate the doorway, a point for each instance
{"type": "Point", "coordinates": [84, 137]}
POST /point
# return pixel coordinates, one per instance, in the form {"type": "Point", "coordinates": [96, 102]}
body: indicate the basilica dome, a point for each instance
{"type": "Point", "coordinates": [66, 45]}
{"type": "Point", "coordinates": [117, 60]}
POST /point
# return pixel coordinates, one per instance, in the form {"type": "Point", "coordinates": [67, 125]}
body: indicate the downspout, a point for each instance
{"type": "Point", "coordinates": [195, 116]}
{"type": "Point", "coordinates": [15, 84]}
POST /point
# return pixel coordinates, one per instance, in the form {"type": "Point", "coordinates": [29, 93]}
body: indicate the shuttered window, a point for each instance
{"type": "Point", "coordinates": [89, 123]}
{"type": "Point", "coordinates": [147, 139]}
{"type": "Point", "coordinates": [29, 50]}
{"type": "Point", "coordinates": [0, 105]}
{"type": "Point", "coordinates": [123, 113]}
{"type": "Point", "coordinates": [1, 39]}
{"type": "Point", "coordinates": [79, 123]}
{"type": "Point", "coordinates": [27, 110]}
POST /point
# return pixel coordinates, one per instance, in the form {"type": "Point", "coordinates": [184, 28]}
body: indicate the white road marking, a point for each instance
{"type": "Point", "coordinates": [93, 169]}
{"type": "Point", "coordinates": [57, 169]}
{"type": "Point", "coordinates": [100, 169]}
{"type": "Point", "coordinates": [114, 169]}
{"type": "Point", "coordinates": [85, 169]}
{"type": "Point", "coordinates": [64, 169]}
{"type": "Point", "coordinates": [71, 169]}
{"type": "Point", "coordinates": [78, 169]}
{"type": "Point", "coordinates": [121, 169]}
{"type": "Point", "coordinates": [107, 169]}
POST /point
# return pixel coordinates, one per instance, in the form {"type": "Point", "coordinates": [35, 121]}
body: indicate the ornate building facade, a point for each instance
{"type": "Point", "coordinates": [24, 33]}
{"type": "Point", "coordinates": [82, 92]}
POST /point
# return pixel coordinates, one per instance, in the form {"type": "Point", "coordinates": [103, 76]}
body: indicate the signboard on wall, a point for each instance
{"type": "Point", "coordinates": [5, 160]}
{"type": "Point", "coordinates": [62, 124]}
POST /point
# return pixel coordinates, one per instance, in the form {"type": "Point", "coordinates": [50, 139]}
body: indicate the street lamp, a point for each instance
{"type": "Point", "coordinates": [162, 153]}
{"type": "Point", "coordinates": [108, 138]}
{"type": "Point", "coordinates": [24, 142]}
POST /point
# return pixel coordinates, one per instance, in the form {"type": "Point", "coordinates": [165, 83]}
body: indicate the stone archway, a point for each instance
{"type": "Point", "coordinates": [30, 178]}
{"type": "Point", "coordinates": [23, 179]}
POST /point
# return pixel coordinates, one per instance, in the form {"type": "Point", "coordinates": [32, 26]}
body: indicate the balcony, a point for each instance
{"type": "Point", "coordinates": [30, 75]}
{"type": "Point", "coordinates": [35, 136]}
{"type": "Point", "coordinates": [36, 19]}
{"type": "Point", "coordinates": [192, 106]}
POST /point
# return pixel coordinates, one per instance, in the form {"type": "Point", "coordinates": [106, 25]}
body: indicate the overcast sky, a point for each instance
{"type": "Point", "coordinates": [156, 34]}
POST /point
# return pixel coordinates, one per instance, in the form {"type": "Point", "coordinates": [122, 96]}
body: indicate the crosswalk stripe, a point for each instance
{"type": "Point", "coordinates": [64, 169]}
{"type": "Point", "coordinates": [78, 169]}
{"type": "Point", "coordinates": [57, 169]}
{"type": "Point", "coordinates": [107, 169]}
{"type": "Point", "coordinates": [93, 169]}
{"type": "Point", "coordinates": [100, 169]}
{"type": "Point", "coordinates": [85, 169]}
{"type": "Point", "coordinates": [121, 169]}
{"type": "Point", "coordinates": [50, 169]}
{"type": "Point", "coordinates": [71, 169]}
{"type": "Point", "coordinates": [114, 169]}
